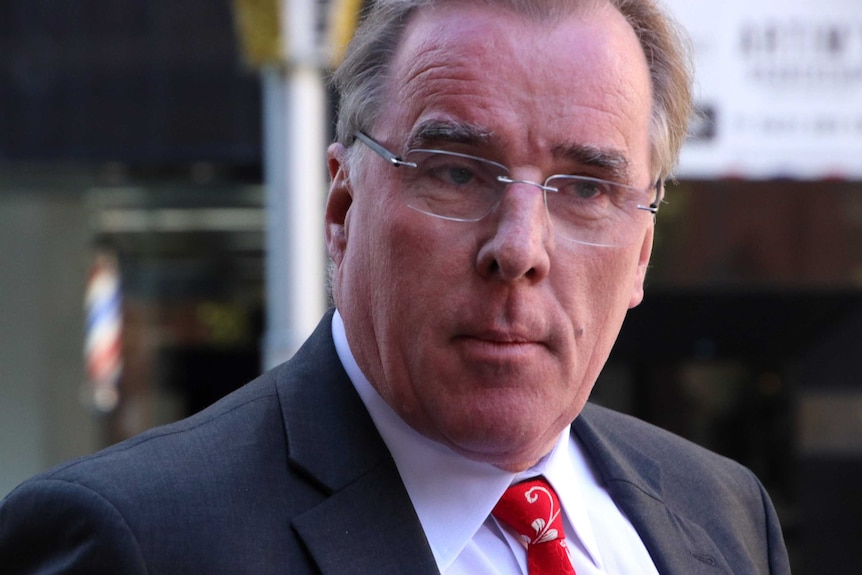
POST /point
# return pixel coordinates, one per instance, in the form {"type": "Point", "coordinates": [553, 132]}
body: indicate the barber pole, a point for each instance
{"type": "Point", "coordinates": [103, 345]}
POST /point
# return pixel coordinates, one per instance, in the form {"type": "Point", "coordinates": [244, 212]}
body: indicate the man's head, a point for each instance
{"type": "Point", "coordinates": [487, 335]}
{"type": "Point", "coordinates": [361, 79]}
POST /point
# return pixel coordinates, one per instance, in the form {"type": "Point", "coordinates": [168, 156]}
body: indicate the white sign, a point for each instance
{"type": "Point", "coordinates": [778, 87]}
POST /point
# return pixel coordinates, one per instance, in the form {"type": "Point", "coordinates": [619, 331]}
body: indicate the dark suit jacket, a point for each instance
{"type": "Point", "coordinates": [289, 475]}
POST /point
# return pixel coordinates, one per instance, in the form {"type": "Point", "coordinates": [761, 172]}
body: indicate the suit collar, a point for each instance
{"type": "Point", "coordinates": [333, 442]}
{"type": "Point", "coordinates": [321, 409]}
{"type": "Point", "coordinates": [676, 543]}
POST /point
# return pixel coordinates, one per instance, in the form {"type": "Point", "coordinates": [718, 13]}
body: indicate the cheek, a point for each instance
{"type": "Point", "coordinates": [597, 294]}
{"type": "Point", "coordinates": [393, 262]}
{"type": "Point", "coordinates": [422, 252]}
{"type": "Point", "coordinates": [364, 271]}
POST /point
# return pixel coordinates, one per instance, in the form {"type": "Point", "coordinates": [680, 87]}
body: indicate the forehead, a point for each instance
{"type": "Point", "coordinates": [533, 85]}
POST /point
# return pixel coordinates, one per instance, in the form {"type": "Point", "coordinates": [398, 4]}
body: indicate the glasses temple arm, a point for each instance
{"type": "Point", "coordinates": [390, 157]}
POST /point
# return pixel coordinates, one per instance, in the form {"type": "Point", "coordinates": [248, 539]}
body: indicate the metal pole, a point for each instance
{"type": "Point", "coordinates": [295, 173]}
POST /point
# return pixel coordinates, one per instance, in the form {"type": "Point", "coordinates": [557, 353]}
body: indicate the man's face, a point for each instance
{"type": "Point", "coordinates": [488, 336]}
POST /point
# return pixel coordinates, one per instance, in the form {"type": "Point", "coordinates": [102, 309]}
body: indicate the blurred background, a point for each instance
{"type": "Point", "coordinates": [162, 180]}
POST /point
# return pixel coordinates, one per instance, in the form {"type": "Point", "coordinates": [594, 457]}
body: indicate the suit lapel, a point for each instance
{"type": "Point", "coordinates": [366, 524]}
{"type": "Point", "coordinates": [368, 527]}
{"type": "Point", "coordinates": [677, 545]}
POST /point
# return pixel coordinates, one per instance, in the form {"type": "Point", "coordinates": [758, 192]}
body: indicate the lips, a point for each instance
{"type": "Point", "coordinates": [496, 346]}
{"type": "Point", "coordinates": [502, 337]}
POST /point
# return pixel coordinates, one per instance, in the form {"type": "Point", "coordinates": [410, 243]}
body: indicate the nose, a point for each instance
{"type": "Point", "coordinates": [520, 241]}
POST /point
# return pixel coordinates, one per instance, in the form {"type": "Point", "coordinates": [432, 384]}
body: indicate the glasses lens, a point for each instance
{"type": "Point", "coordinates": [596, 212]}
{"type": "Point", "coordinates": [451, 185]}
{"type": "Point", "coordinates": [466, 188]}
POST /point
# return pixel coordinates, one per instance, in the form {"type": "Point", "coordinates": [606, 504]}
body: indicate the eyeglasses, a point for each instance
{"type": "Point", "coordinates": [465, 188]}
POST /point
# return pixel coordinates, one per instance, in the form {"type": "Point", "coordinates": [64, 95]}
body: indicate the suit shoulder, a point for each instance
{"type": "Point", "coordinates": [637, 432]}
{"type": "Point", "coordinates": [642, 466]}
{"type": "Point", "coordinates": [214, 438]}
{"type": "Point", "coordinates": [198, 496]}
{"type": "Point", "coordinates": [669, 468]}
{"type": "Point", "coordinates": [632, 443]}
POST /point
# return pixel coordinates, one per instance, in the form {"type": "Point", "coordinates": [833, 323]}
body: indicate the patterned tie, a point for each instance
{"type": "Point", "coordinates": [532, 509]}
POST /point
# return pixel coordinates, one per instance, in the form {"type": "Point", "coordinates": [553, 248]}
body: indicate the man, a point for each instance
{"type": "Point", "coordinates": [490, 221]}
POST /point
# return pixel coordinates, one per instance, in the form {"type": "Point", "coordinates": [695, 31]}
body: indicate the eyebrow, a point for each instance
{"type": "Point", "coordinates": [446, 132]}
{"type": "Point", "coordinates": [610, 161]}
{"type": "Point", "coordinates": [434, 132]}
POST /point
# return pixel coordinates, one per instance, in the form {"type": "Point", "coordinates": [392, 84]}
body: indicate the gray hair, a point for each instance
{"type": "Point", "coordinates": [361, 79]}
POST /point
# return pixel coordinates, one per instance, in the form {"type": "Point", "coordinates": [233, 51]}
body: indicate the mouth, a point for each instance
{"type": "Point", "coordinates": [499, 346]}
{"type": "Point", "coordinates": [501, 337]}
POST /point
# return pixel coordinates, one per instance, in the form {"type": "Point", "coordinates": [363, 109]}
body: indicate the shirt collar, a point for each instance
{"type": "Point", "coordinates": [568, 470]}
{"type": "Point", "coordinates": [453, 495]}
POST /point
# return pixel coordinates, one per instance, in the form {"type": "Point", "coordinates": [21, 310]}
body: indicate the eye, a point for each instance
{"type": "Point", "coordinates": [458, 175]}
{"type": "Point", "coordinates": [584, 188]}
{"type": "Point", "coordinates": [454, 170]}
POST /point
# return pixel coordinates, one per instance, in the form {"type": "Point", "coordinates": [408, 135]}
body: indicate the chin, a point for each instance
{"type": "Point", "coordinates": [502, 440]}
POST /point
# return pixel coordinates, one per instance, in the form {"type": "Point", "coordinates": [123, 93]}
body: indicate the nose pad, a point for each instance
{"type": "Point", "coordinates": [509, 181]}
{"type": "Point", "coordinates": [543, 188]}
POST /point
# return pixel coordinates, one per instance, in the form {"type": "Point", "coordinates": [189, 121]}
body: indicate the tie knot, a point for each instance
{"type": "Point", "coordinates": [532, 509]}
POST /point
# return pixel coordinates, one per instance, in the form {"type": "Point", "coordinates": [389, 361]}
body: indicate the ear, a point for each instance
{"type": "Point", "coordinates": [338, 203]}
{"type": "Point", "coordinates": [643, 263]}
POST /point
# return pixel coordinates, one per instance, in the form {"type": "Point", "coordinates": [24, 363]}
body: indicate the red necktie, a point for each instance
{"type": "Point", "coordinates": [532, 509]}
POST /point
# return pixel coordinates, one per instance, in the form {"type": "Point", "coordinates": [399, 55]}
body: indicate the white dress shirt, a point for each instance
{"type": "Point", "coordinates": [453, 497]}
